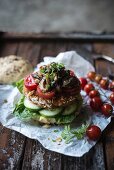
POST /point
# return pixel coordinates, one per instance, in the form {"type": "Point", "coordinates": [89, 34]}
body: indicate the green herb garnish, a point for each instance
{"type": "Point", "coordinates": [56, 130]}
{"type": "Point", "coordinates": [69, 134]}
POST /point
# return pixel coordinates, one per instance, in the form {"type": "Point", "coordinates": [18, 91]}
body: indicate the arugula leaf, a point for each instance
{"type": "Point", "coordinates": [19, 85]}
{"type": "Point", "coordinates": [69, 134]}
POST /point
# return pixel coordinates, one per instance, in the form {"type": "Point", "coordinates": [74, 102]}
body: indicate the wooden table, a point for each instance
{"type": "Point", "coordinates": [20, 152]}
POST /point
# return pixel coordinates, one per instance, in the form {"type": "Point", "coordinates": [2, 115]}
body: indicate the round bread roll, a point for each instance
{"type": "Point", "coordinates": [13, 68]}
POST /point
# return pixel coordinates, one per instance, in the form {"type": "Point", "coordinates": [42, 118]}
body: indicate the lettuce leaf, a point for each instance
{"type": "Point", "coordinates": [19, 85]}
{"type": "Point", "coordinates": [23, 113]}
{"type": "Point", "coordinates": [65, 119]}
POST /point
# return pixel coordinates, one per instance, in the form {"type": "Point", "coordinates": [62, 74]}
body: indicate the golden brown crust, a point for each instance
{"type": "Point", "coordinates": [13, 68]}
{"type": "Point", "coordinates": [58, 101]}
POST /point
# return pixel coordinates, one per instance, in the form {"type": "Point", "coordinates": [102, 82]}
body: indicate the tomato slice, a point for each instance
{"type": "Point", "coordinates": [30, 83]}
{"type": "Point", "coordinates": [72, 73]}
{"type": "Point", "coordinates": [47, 95]}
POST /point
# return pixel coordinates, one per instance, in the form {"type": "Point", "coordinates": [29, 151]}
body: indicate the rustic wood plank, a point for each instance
{"type": "Point", "coordinates": [36, 157]}
{"type": "Point", "coordinates": [11, 143]}
{"type": "Point", "coordinates": [8, 48]}
{"type": "Point", "coordinates": [29, 51]}
{"type": "Point", "coordinates": [106, 69]}
{"type": "Point", "coordinates": [108, 140]}
{"type": "Point", "coordinates": [82, 36]}
{"type": "Point", "coordinates": [93, 160]}
{"type": "Point", "coordinates": [52, 49]}
{"type": "Point", "coordinates": [104, 48]}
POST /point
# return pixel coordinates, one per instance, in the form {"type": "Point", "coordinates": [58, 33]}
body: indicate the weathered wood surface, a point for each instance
{"type": "Point", "coordinates": [20, 152]}
{"type": "Point", "coordinates": [90, 36]}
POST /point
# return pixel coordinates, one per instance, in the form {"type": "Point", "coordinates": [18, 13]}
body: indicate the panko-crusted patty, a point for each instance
{"type": "Point", "coordinates": [58, 101]}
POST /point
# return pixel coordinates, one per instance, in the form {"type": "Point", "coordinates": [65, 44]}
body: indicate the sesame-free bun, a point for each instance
{"type": "Point", "coordinates": [13, 68]}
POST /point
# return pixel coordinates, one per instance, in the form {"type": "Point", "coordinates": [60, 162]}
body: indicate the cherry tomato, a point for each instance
{"type": "Point", "coordinates": [91, 75]}
{"type": "Point", "coordinates": [30, 83]}
{"type": "Point", "coordinates": [88, 88]}
{"type": "Point", "coordinates": [93, 132]}
{"type": "Point", "coordinates": [94, 93]}
{"type": "Point", "coordinates": [111, 97]}
{"type": "Point", "coordinates": [47, 95]}
{"type": "Point", "coordinates": [98, 78]}
{"type": "Point", "coordinates": [104, 83]}
{"type": "Point", "coordinates": [96, 103]}
{"type": "Point", "coordinates": [72, 73]}
{"type": "Point", "coordinates": [111, 86]}
{"type": "Point", "coordinates": [83, 82]}
{"type": "Point", "coordinates": [107, 109]}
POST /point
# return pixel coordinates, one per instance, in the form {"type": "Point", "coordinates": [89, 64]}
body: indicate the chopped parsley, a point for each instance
{"type": "Point", "coordinates": [69, 134]}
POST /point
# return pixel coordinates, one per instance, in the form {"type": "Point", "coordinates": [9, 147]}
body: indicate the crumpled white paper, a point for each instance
{"type": "Point", "coordinates": [45, 136]}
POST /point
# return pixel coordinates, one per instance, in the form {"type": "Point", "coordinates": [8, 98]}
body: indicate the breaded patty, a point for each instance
{"type": "Point", "coordinates": [60, 100]}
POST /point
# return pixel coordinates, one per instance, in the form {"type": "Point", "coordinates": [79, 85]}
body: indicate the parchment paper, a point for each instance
{"type": "Point", "coordinates": [46, 136]}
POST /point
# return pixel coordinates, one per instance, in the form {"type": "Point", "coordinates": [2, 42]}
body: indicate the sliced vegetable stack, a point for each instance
{"type": "Point", "coordinates": [50, 95]}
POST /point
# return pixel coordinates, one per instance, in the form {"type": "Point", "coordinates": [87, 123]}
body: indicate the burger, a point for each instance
{"type": "Point", "coordinates": [50, 95]}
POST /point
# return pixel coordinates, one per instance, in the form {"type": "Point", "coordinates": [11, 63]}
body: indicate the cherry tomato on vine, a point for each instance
{"type": "Point", "coordinates": [94, 93]}
{"type": "Point", "coordinates": [96, 103]}
{"type": "Point", "coordinates": [83, 82]}
{"type": "Point", "coordinates": [106, 109]}
{"type": "Point", "coordinates": [88, 88]}
{"type": "Point", "coordinates": [104, 83]}
{"type": "Point", "coordinates": [91, 75]}
{"type": "Point", "coordinates": [111, 86]}
{"type": "Point", "coordinates": [93, 132]}
{"type": "Point", "coordinates": [98, 78]}
{"type": "Point", "coordinates": [111, 97]}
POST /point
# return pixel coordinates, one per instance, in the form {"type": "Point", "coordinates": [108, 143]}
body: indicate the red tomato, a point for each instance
{"type": "Point", "coordinates": [94, 93]}
{"type": "Point", "coordinates": [96, 103]}
{"type": "Point", "coordinates": [112, 98]}
{"type": "Point", "coordinates": [91, 75]}
{"type": "Point", "coordinates": [88, 88]}
{"type": "Point", "coordinates": [111, 86]}
{"type": "Point", "coordinates": [104, 83]}
{"type": "Point", "coordinates": [30, 83]}
{"type": "Point", "coordinates": [107, 109]}
{"type": "Point", "coordinates": [93, 132]}
{"type": "Point", "coordinates": [72, 73]}
{"type": "Point", "coordinates": [83, 82]}
{"type": "Point", "coordinates": [47, 95]}
{"type": "Point", "coordinates": [98, 78]}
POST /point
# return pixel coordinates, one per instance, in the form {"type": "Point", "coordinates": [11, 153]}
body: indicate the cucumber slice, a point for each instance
{"type": "Point", "coordinates": [70, 109]}
{"type": "Point", "coordinates": [29, 105]}
{"type": "Point", "coordinates": [50, 113]}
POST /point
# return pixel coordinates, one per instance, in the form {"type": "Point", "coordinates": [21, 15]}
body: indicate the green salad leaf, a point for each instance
{"type": "Point", "coordinates": [69, 134]}
{"type": "Point", "coordinates": [19, 85]}
{"type": "Point", "coordinates": [23, 113]}
{"type": "Point", "coordinates": [65, 119]}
